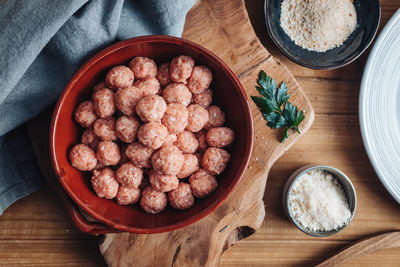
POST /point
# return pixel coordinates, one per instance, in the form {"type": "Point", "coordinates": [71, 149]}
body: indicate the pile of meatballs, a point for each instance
{"type": "Point", "coordinates": [151, 134]}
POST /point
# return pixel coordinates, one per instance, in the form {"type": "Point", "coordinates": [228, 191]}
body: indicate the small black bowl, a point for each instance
{"type": "Point", "coordinates": [368, 17]}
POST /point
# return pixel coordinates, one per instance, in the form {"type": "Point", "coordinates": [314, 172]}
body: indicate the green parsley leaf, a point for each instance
{"type": "Point", "coordinates": [273, 104]}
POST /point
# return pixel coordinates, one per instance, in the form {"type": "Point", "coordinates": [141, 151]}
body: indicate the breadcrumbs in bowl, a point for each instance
{"type": "Point", "coordinates": [65, 133]}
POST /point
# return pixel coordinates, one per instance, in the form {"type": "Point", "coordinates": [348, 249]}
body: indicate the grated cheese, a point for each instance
{"type": "Point", "coordinates": [318, 25]}
{"type": "Point", "coordinates": [317, 201]}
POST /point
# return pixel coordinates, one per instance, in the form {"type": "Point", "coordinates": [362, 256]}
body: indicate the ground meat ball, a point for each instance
{"type": "Point", "coordinates": [216, 117]}
{"type": "Point", "coordinates": [103, 101]}
{"type": "Point", "coordinates": [180, 68]}
{"type": "Point", "coordinates": [215, 160]}
{"type": "Point", "coordinates": [163, 75]}
{"type": "Point", "coordinates": [198, 117]}
{"type": "Point", "coordinates": [176, 118]}
{"type": "Point", "coordinates": [202, 183]}
{"type": "Point", "coordinates": [177, 93]}
{"type": "Point", "coordinates": [127, 128]}
{"type": "Point", "coordinates": [82, 157]}
{"type": "Point", "coordinates": [119, 77]}
{"type": "Point", "coordinates": [167, 160]}
{"type": "Point", "coordinates": [204, 99]}
{"type": "Point", "coordinates": [153, 201]}
{"type": "Point", "coordinates": [108, 153]}
{"type": "Point", "coordinates": [126, 196]}
{"type": "Point", "coordinates": [181, 198]}
{"type": "Point", "coordinates": [170, 140]}
{"type": "Point", "coordinates": [127, 98]}
{"type": "Point", "coordinates": [190, 165]}
{"type": "Point", "coordinates": [105, 129]}
{"type": "Point", "coordinates": [90, 138]}
{"type": "Point", "coordinates": [85, 114]}
{"type": "Point", "coordinates": [98, 87]}
{"type": "Point", "coordinates": [143, 67]}
{"type": "Point", "coordinates": [148, 86]}
{"type": "Point", "coordinates": [220, 136]}
{"type": "Point", "coordinates": [129, 175]}
{"type": "Point", "coordinates": [139, 155]}
{"type": "Point", "coordinates": [187, 142]}
{"type": "Point", "coordinates": [202, 140]}
{"type": "Point", "coordinates": [151, 108]}
{"type": "Point", "coordinates": [163, 183]}
{"type": "Point", "coordinates": [200, 79]}
{"type": "Point", "coordinates": [152, 134]}
{"type": "Point", "coordinates": [104, 183]}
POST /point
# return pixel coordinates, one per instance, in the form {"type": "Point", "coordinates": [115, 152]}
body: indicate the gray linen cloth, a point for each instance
{"type": "Point", "coordinates": [42, 44]}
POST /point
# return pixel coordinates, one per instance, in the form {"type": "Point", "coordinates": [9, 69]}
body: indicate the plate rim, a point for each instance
{"type": "Point", "coordinates": [363, 90]}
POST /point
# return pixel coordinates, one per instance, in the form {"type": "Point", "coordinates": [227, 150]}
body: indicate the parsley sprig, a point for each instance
{"type": "Point", "coordinates": [275, 107]}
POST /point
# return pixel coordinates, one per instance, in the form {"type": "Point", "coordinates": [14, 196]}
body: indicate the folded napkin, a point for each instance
{"type": "Point", "coordinates": [42, 44]}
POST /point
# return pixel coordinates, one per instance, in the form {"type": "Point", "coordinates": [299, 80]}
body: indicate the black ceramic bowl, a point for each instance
{"type": "Point", "coordinates": [368, 17]}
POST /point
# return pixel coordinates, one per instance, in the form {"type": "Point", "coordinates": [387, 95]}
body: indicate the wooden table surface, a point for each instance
{"type": "Point", "coordinates": [35, 231]}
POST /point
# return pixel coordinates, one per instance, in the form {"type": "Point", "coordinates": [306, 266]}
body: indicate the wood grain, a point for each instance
{"type": "Point", "coordinates": [35, 231]}
{"type": "Point", "coordinates": [225, 30]}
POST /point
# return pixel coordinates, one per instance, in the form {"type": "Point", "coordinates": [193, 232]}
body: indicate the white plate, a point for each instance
{"type": "Point", "coordinates": [380, 106]}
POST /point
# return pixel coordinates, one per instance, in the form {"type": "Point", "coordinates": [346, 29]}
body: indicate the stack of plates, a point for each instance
{"type": "Point", "coordinates": [380, 106]}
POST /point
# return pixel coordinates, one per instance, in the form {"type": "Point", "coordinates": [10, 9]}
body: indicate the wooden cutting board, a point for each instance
{"type": "Point", "coordinates": [223, 27]}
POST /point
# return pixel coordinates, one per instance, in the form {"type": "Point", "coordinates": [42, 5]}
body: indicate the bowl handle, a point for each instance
{"type": "Point", "coordinates": [93, 228]}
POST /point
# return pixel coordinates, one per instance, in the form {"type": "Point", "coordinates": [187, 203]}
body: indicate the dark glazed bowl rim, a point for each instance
{"type": "Point", "coordinates": [91, 62]}
{"type": "Point", "coordinates": [345, 62]}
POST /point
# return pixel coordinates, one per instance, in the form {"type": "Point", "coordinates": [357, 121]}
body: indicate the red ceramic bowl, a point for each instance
{"type": "Point", "coordinates": [65, 133]}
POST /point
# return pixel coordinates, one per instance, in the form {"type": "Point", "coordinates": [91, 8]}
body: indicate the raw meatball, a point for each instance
{"type": "Point", "coordinates": [200, 79]}
{"type": "Point", "coordinates": [126, 196]}
{"type": "Point", "coordinates": [198, 117]}
{"type": "Point", "coordinates": [167, 160]}
{"type": "Point", "coordinates": [119, 77]}
{"type": "Point", "coordinates": [151, 108]}
{"type": "Point", "coordinates": [104, 183]}
{"type": "Point", "coordinates": [180, 68]}
{"type": "Point", "coordinates": [139, 155]}
{"type": "Point", "coordinates": [108, 153]}
{"type": "Point", "coordinates": [202, 139]}
{"type": "Point", "coordinates": [170, 140]}
{"type": "Point", "coordinates": [177, 93]}
{"type": "Point", "coordinates": [127, 128]}
{"type": "Point", "coordinates": [204, 99]}
{"type": "Point", "coordinates": [90, 138]}
{"type": "Point", "coordinates": [215, 160]}
{"type": "Point", "coordinates": [187, 142]}
{"type": "Point", "coordinates": [190, 165]}
{"type": "Point", "coordinates": [152, 134]}
{"type": "Point", "coordinates": [98, 87]}
{"type": "Point", "coordinates": [153, 201]}
{"type": "Point", "coordinates": [175, 118]}
{"type": "Point", "coordinates": [82, 157]}
{"type": "Point", "coordinates": [85, 114]}
{"type": "Point", "coordinates": [103, 101]}
{"type": "Point", "coordinates": [148, 86]}
{"type": "Point", "coordinates": [163, 75]}
{"type": "Point", "coordinates": [105, 129]}
{"type": "Point", "coordinates": [143, 67]}
{"type": "Point", "coordinates": [220, 136]}
{"type": "Point", "coordinates": [163, 183]}
{"type": "Point", "coordinates": [181, 198]}
{"type": "Point", "coordinates": [216, 117]}
{"type": "Point", "coordinates": [202, 183]}
{"type": "Point", "coordinates": [127, 98]}
{"type": "Point", "coordinates": [128, 175]}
